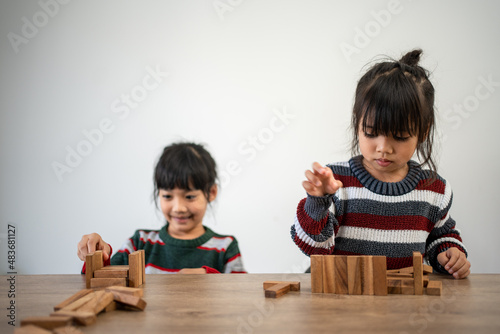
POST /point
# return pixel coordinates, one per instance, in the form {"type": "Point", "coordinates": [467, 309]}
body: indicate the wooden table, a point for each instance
{"type": "Point", "coordinates": [236, 304]}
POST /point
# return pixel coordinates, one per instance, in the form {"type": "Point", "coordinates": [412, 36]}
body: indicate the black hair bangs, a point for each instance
{"type": "Point", "coordinates": [392, 106]}
{"type": "Point", "coordinates": [187, 167]}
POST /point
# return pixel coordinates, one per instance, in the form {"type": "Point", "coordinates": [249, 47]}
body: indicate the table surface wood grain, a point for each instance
{"type": "Point", "coordinates": [236, 304]}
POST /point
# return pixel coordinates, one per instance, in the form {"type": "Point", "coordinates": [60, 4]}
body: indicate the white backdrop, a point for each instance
{"type": "Point", "coordinates": [91, 91]}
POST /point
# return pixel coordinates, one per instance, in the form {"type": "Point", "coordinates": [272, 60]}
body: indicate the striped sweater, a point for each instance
{"type": "Point", "coordinates": [164, 254]}
{"type": "Point", "coordinates": [370, 217]}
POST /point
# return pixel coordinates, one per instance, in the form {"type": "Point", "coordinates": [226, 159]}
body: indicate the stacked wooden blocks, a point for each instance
{"type": "Point", "coordinates": [82, 309]}
{"type": "Point", "coordinates": [354, 275]}
{"type": "Point", "coordinates": [368, 275]}
{"type": "Point", "coordinates": [98, 276]}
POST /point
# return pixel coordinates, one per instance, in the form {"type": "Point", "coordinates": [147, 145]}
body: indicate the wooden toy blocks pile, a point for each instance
{"type": "Point", "coordinates": [106, 291]}
{"type": "Point", "coordinates": [132, 275]}
{"type": "Point", "coordinates": [368, 275]}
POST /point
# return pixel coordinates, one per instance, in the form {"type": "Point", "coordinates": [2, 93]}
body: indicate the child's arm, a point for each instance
{"type": "Point", "coordinates": [444, 249]}
{"type": "Point", "coordinates": [314, 226]}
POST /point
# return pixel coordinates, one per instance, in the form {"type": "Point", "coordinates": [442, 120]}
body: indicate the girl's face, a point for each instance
{"type": "Point", "coordinates": [184, 210]}
{"type": "Point", "coordinates": [386, 157]}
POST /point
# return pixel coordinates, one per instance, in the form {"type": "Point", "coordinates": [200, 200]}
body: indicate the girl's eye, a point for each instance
{"type": "Point", "coordinates": [167, 196]}
{"type": "Point", "coordinates": [401, 138]}
{"type": "Point", "coordinates": [369, 135]}
{"type": "Point", "coordinates": [191, 197]}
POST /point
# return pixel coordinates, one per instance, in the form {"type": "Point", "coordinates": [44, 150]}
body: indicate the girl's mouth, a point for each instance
{"type": "Point", "coordinates": [383, 162]}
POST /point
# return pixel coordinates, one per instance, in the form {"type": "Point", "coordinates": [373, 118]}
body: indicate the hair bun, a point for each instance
{"type": "Point", "coordinates": [411, 58]}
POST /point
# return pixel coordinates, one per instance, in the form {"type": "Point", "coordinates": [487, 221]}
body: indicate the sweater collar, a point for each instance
{"type": "Point", "coordinates": [402, 187]}
{"type": "Point", "coordinates": [168, 239]}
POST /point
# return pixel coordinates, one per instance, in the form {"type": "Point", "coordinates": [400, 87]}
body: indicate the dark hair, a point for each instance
{"type": "Point", "coordinates": [185, 166]}
{"type": "Point", "coordinates": [395, 97]}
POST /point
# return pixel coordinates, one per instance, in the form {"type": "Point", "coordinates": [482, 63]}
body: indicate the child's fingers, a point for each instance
{"type": "Point", "coordinates": [311, 189]}
{"type": "Point", "coordinates": [316, 166]}
{"type": "Point", "coordinates": [463, 272]}
{"type": "Point", "coordinates": [313, 179]}
{"type": "Point", "coordinates": [452, 259]}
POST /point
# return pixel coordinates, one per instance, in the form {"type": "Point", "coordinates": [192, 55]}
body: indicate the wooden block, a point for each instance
{"type": "Point", "coordinates": [317, 273]}
{"type": "Point", "coordinates": [366, 262]}
{"type": "Point", "coordinates": [67, 330]}
{"type": "Point", "coordinates": [277, 290]}
{"type": "Point", "coordinates": [354, 274]}
{"type": "Point", "coordinates": [82, 318]}
{"type": "Point", "coordinates": [294, 285]}
{"type": "Point", "coordinates": [73, 298]}
{"type": "Point", "coordinates": [100, 301]}
{"type": "Point", "coordinates": [426, 281]}
{"type": "Point", "coordinates": [399, 275]}
{"type": "Point", "coordinates": [418, 273]}
{"type": "Point", "coordinates": [31, 329]}
{"type": "Point", "coordinates": [111, 307]}
{"type": "Point", "coordinates": [427, 269]}
{"type": "Point", "coordinates": [111, 273]}
{"type": "Point", "coordinates": [434, 288]}
{"type": "Point", "coordinates": [105, 282]}
{"type": "Point", "coordinates": [89, 274]}
{"type": "Point", "coordinates": [47, 322]}
{"type": "Point", "coordinates": [341, 282]}
{"type": "Point", "coordinates": [79, 302]}
{"type": "Point", "coordinates": [379, 275]}
{"type": "Point", "coordinates": [128, 290]}
{"type": "Point", "coordinates": [143, 265]}
{"type": "Point", "coordinates": [116, 267]}
{"type": "Point", "coordinates": [129, 300]}
{"type": "Point", "coordinates": [135, 270]}
{"type": "Point", "coordinates": [329, 274]}
{"type": "Point", "coordinates": [402, 286]}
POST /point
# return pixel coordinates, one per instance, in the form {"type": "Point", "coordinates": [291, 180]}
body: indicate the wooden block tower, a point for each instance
{"type": "Point", "coordinates": [98, 276]}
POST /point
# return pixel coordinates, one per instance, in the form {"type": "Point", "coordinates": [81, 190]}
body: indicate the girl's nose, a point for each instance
{"type": "Point", "coordinates": [384, 145]}
{"type": "Point", "coordinates": [178, 205]}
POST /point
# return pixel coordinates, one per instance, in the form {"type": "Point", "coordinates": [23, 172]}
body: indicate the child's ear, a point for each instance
{"type": "Point", "coordinates": [213, 193]}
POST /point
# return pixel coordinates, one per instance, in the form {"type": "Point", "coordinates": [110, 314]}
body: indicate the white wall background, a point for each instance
{"type": "Point", "coordinates": [67, 67]}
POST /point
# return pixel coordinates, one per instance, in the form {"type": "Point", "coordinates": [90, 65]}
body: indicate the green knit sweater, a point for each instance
{"type": "Point", "coordinates": [165, 254]}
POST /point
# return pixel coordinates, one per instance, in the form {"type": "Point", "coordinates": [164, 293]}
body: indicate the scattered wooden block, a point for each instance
{"type": "Point", "coordinates": [79, 302]}
{"type": "Point", "coordinates": [111, 307]}
{"type": "Point", "coordinates": [434, 288]}
{"type": "Point", "coordinates": [294, 285]}
{"type": "Point", "coordinates": [47, 322]}
{"type": "Point", "coordinates": [100, 301]}
{"type": "Point", "coordinates": [129, 300]}
{"type": "Point", "coordinates": [31, 329]}
{"type": "Point", "coordinates": [83, 318]}
{"type": "Point", "coordinates": [418, 273]}
{"type": "Point", "coordinates": [329, 274]}
{"type": "Point", "coordinates": [73, 298]}
{"type": "Point", "coordinates": [277, 290]}
{"type": "Point", "coordinates": [316, 273]}
{"type": "Point", "coordinates": [105, 282]}
{"type": "Point", "coordinates": [379, 275]}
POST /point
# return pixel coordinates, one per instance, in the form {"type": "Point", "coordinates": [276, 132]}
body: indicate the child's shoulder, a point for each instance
{"type": "Point", "coordinates": [341, 168]}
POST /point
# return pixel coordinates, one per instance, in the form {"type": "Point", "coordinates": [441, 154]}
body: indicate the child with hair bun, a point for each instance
{"type": "Point", "coordinates": [185, 183]}
{"type": "Point", "coordinates": [382, 202]}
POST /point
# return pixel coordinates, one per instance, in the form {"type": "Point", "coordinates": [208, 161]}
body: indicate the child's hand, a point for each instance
{"type": "Point", "coordinates": [455, 262]}
{"type": "Point", "coordinates": [192, 271]}
{"type": "Point", "coordinates": [90, 243]}
{"type": "Point", "coordinates": [320, 181]}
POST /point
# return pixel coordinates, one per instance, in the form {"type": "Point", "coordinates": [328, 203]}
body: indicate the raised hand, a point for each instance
{"type": "Point", "coordinates": [320, 181]}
